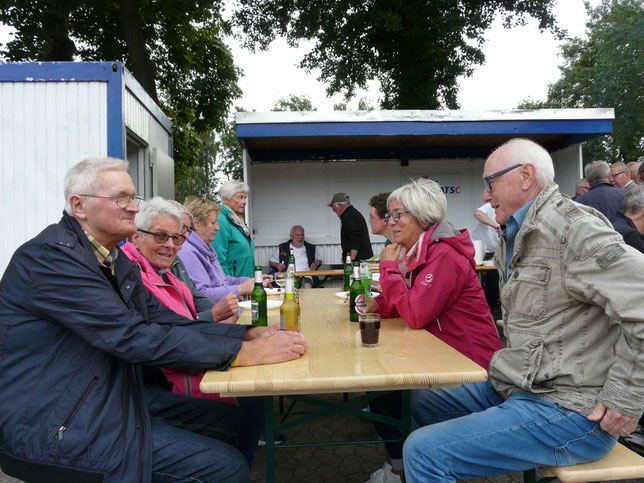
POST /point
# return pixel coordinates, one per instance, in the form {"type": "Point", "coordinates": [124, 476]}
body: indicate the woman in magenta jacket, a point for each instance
{"type": "Point", "coordinates": [428, 277]}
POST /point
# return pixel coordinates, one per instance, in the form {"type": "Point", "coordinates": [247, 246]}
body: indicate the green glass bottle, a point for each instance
{"type": "Point", "coordinates": [365, 279]}
{"type": "Point", "coordinates": [258, 301]}
{"type": "Point", "coordinates": [347, 273]}
{"type": "Point", "coordinates": [291, 267]}
{"type": "Point", "coordinates": [356, 294]}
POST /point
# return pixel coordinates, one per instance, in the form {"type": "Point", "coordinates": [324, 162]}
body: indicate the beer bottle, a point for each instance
{"type": "Point", "coordinates": [365, 279]}
{"type": "Point", "coordinates": [347, 273]}
{"type": "Point", "coordinates": [291, 266]}
{"type": "Point", "coordinates": [356, 295]}
{"type": "Point", "coordinates": [290, 310]}
{"type": "Point", "coordinates": [258, 300]}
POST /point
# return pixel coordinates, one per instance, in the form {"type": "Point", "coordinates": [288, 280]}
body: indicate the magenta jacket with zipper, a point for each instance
{"type": "Point", "coordinates": [177, 297]}
{"type": "Point", "coordinates": [441, 293]}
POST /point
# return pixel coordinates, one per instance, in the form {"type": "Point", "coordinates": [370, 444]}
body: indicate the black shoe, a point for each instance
{"type": "Point", "coordinates": [279, 439]}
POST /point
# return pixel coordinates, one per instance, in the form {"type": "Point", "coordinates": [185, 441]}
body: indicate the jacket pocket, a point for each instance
{"type": "Point", "coordinates": [528, 367]}
{"type": "Point", "coordinates": [60, 433]}
{"type": "Point", "coordinates": [528, 287]}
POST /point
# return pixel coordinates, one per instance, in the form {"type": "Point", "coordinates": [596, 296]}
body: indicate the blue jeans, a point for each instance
{"type": "Point", "coordinates": [470, 431]}
{"type": "Point", "coordinates": [196, 439]}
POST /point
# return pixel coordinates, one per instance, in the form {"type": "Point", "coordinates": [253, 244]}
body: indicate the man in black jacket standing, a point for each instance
{"type": "Point", "coordinates": [354, 235]}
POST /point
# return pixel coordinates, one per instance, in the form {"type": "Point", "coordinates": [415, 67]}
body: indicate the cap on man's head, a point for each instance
{"type": "Point", "coordinates": [339, 198]}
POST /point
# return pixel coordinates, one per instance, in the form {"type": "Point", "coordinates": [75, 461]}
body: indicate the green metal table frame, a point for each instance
{"type": "Point", "coordinates": [326, 409]}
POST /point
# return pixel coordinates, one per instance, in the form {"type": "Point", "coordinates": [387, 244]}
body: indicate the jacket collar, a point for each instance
{"type": "Point", "coordinates": [204, 249]}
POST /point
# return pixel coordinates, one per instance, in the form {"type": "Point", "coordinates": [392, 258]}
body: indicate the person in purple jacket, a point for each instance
{"type": "Point", "coordinates": [201, 260]}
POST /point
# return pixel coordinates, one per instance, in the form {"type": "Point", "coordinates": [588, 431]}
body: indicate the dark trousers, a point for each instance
{"type": "Point", "coordinates": [196, 439]}
{"type": "Point", "coordinates": [389, 405]}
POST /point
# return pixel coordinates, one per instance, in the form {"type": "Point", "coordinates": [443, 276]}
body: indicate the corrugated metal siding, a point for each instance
{"type": "Point", "coordinates": [45, 127]}
{"type": "Point", "coordinates": [139, 120]}
{"type": "Point", "coordinates": [331, 254]}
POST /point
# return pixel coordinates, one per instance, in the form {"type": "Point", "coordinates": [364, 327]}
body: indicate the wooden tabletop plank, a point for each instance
{"type": "Point", "coordinates": [337, 362]}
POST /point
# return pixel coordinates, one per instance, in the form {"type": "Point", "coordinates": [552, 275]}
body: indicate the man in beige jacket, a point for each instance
{"type": "Point", "coordinates": [571, 378]}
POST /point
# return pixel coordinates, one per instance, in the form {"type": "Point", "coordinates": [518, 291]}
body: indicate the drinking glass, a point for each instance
{"type": "Point", "coordinates": [280, 279]}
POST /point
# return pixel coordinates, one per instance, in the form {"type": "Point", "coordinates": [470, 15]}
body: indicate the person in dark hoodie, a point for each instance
{"type": "Point", "coordinates": [428, 277]}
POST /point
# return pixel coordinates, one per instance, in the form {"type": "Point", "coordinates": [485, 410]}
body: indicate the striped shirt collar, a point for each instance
{"type": "Point", "coordinates": [105, 257]}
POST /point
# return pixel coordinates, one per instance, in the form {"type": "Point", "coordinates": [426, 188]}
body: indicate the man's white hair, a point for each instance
{"type": "Point", "coordinates": [81, 178]}
{"type": "Point", "coordinates": [424, 199]}
{"type": "Point", "coordinates": [295, 227]}
{"type": "Point", "coordinates": [597, 170]}
{"type": "Point", "coordinates": [526, 151]}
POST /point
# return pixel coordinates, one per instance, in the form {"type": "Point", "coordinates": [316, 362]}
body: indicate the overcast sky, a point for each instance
{"type": "Point", "coordinates": [520, 63]}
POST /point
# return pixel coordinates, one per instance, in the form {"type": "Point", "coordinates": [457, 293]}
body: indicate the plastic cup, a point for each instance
{"type": "Point", "coordinates": [369, 329]}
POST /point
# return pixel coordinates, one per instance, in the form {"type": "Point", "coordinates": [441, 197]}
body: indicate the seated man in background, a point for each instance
{"type": "Point", "coordinates": [307, 256]}
{"type": "Point", "coordinates": [76, 328]}
{"type": "Point", "coordinates": [570, 379]}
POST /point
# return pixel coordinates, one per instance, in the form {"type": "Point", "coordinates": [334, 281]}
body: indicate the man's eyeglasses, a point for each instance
{"type": "Point", "coordinates": [486, 180]}
{"type": "Point", "coordinates": [122, 201]}
{"type": "Point", "coordinates": [161, 237]}
{"type": "Point", "coordinates": [395, 216]}
{"type": "Point", "coordinates": [615, 175]}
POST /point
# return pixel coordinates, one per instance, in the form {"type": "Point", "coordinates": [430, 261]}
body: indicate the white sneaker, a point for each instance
{"type": "Point", "coordinates": [384, 475]}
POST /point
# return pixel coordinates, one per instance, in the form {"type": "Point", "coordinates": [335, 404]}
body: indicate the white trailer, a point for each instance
{"type": "Point", "coordinates": [295, 161]}
{"type": "Point", "coordinates": [54, 114]}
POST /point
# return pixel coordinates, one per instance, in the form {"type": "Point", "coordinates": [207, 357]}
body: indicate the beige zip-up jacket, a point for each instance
{"type": "Point", "coordinates": [575, 310]}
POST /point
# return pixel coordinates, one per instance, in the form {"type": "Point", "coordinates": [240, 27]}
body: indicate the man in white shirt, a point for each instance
{"type": "Point", "coordinates": [307, 256]}
{"type": "Point", "coordinates": [487, 229]}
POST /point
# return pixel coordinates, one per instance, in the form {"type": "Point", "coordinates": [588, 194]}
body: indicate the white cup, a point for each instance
{"type": "Point", "coordinates": [479, 251]}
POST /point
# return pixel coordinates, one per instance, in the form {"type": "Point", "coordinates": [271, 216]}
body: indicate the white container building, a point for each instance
{"type": "Point", "coordinates": [54, 114]}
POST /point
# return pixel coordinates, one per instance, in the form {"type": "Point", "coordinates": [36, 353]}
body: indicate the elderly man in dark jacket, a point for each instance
{"type": "Point", "coordinates": [602, 196]}
{"type": "Point", "coordinates": [76, 328]}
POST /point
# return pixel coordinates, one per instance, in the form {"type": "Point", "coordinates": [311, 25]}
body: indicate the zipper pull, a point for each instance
{"type": "Point", "coordinates": [59, 434]}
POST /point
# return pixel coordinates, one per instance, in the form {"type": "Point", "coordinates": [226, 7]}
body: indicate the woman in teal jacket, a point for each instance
{"type": "Point", "coordinates": [234, 246]}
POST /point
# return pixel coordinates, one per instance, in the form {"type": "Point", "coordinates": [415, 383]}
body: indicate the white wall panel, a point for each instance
{"type": "Point", "coordinates": [45, 127]}
{"type": "Point", "coordinates": [139, 120]}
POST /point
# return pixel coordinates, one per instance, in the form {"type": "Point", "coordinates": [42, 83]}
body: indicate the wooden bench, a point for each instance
{"type": "Point", "coordinates": [620, 464]}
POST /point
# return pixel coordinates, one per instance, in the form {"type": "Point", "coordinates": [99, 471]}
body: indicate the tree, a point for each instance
{"type": "Point", "coordinates": [294, 103]}
{"type": "Point", "coordinates": [173, 48]}
{"type": "Point", "coordinates": [229, 149]}
{"type": "Point", "coordinates": [417, 49]}
{"type": "Point", "coordinates": [606, 70]}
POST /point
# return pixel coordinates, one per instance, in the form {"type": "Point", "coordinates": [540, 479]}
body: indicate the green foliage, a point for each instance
{"type": "Point", "coordinates": [229, 151]}
{"type": "Point", "coordinates": [417, 49]}
{"type": "Point", "coordinates": [294, 103]}
{"type": "Point", "coordinates": [606, 70]}
{"type": "Point", "coordinates": [199, 179]}
{"type": "Point", "coordinates": [173, 48]}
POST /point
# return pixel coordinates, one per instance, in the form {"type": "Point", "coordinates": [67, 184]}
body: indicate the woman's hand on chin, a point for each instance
{"type": "Point", "coordinates": [391, 253]}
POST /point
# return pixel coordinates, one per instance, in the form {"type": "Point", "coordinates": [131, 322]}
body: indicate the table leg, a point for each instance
{"type": "Point", "coordinates": [269, 437]}
{"type": "Point", "coordinates": [406, 414]}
